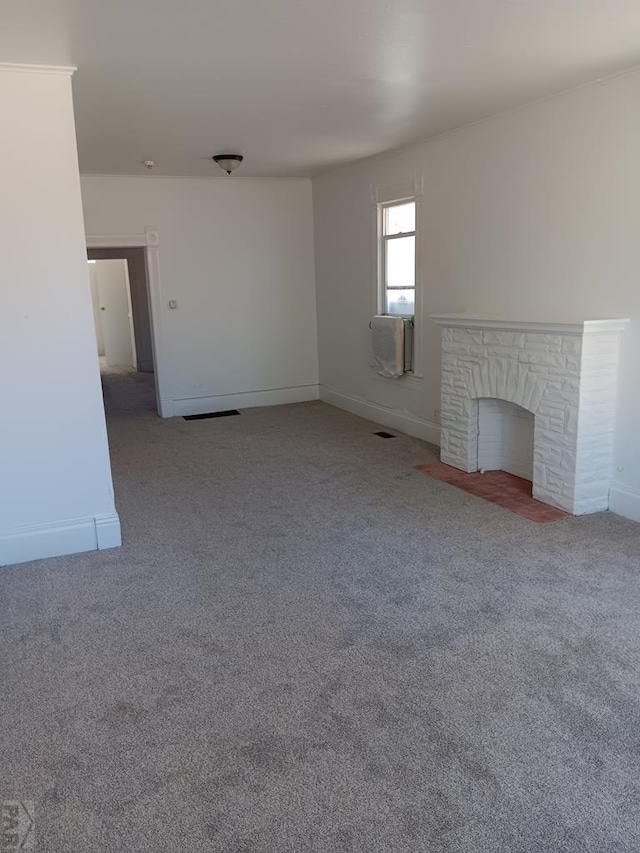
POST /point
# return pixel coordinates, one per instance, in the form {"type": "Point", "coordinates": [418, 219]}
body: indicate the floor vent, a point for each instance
{"type": "Point", "coordinates": [383, 434]}
{"type": "Point", "coordinates": [226, 414]}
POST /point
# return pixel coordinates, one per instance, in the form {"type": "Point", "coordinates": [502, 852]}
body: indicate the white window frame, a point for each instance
{"type": "Point", "coordinates": [383, 240]}
{"type": "Point", "coordinates": [382, 197]}
{"type": "Point", "coordinates": [405, 188]}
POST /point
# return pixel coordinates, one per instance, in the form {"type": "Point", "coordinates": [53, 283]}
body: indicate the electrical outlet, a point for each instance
{"type": "Point", "coordinates": [436, 416]}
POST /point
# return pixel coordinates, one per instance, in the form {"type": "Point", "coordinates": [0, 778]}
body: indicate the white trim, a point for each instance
{"type": "Point", "coordinates": [116, 241]}
{"type": "Point", "coordinates": [383, 253]}
{"type": "Point", "coordinates": [240, 400]}
{"type": "Point", "coordinates": [624, 500]}
{"type": "Point", "coordinates": [153, 236]}
{"type": "Point", "coordinates": [397, 190]}
{"type": "Point", "coordinates": [146, 175]}
{"type": "Point", "coordinates": [413, 381]}
{"type": "Point", "coordinates": [58, 538]}
{"type": "Point", "coordinates": [108, 533]}
{"type": "Point", "coordinates": [418, 293]}
{"type": "Point", "coordinates": [61, 70]}
{"type": "Point", "coordinates": [595, 327]}
{"type": "Point", "coordinates": [379, 302]}
{"type": "Point", "coordinates": [425, 430]}
{"type": "Point", "coordinates": [573, 327]}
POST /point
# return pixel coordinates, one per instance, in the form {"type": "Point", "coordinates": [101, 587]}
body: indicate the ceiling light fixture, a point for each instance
{"type": "Point", "coordinates": [228, 162]}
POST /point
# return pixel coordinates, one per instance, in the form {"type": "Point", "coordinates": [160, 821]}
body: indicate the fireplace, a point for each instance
{"type": "Point", "coordinates": [533, 398]}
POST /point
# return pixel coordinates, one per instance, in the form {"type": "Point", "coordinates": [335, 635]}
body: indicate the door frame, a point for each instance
{"type": "Point", "coordinates": [136, 263]}
{"type": "Point", "coordinates": [150, 241]}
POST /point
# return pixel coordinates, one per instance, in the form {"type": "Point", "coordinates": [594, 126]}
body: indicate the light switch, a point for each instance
{"type": "Point", "coordinates": [173, 303]}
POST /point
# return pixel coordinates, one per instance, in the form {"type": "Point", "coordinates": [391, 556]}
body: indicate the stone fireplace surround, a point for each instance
{"type": "Point", "coordinates": [564, 373]}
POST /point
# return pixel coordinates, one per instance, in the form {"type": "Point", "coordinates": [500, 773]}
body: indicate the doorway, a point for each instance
{"type": "Point", "coordinates": [119, 291]}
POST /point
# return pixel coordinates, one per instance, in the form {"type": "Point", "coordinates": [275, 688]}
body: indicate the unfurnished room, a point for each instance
{"type": "Point", "coordinates": [319, 442]}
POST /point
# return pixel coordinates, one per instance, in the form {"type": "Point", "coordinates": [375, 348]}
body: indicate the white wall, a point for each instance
{"type": "Point", "coordinates": [237, 255]}
{"type": "Point", "coordinates": [535, 212]}
{"type": "Point", "coordinates": [56, 494]}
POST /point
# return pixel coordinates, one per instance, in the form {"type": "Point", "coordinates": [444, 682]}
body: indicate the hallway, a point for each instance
{"type": "Point", "coordinates": [126, 390]}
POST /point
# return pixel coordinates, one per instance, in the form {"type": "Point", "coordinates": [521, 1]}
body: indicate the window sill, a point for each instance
{"type": "Point", "coordinates": [410, 380]}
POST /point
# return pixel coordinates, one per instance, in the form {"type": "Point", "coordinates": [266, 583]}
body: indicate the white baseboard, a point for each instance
{"type": "Point", "coordinates": [426, 430]}
{"type": "Point", "coordinates": [624, 500]}
{"type": "Point", "coordinates": [272, 397]}
{"type": "Point", "coordinates": [58, 538]}
{"type": "Point", "coordinates": [108, 531]}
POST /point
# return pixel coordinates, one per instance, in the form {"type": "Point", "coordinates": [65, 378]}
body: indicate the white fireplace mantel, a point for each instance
{"type": "Point", "coordinates": [563, 371]}
{"type": "Point", "coordinates": [556, 327]}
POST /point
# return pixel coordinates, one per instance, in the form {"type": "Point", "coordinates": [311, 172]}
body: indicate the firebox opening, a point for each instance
{"type": "Point", "coordinates": [505, 438]}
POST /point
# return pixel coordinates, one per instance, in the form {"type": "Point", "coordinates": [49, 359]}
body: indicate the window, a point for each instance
{"type": "Point", "coordinates": [398, 258]}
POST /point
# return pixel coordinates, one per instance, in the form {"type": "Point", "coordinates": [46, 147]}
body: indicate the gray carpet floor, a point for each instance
{"type": "Point", "coordinates": [307, 645]}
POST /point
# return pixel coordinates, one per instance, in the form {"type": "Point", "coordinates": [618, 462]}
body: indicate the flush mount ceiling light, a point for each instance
{"type": "Point", "coordinates": [228, 162]}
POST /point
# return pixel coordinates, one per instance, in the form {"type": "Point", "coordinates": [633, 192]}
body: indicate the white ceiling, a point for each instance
{"type": "Point", "coordinates": [300, 85]}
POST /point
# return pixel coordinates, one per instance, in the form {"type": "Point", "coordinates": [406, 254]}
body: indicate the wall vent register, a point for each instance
{"type": "Point", "coordinates": [226, 414]}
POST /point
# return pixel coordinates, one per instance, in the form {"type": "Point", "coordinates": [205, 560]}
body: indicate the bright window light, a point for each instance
{"type": "Point", "coordinates": [398, 258]}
